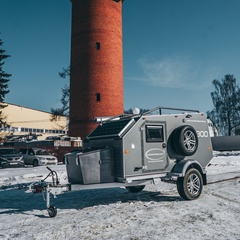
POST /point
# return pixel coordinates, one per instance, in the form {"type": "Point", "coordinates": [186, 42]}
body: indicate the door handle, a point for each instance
{"type": "Point", "coordinates": [164, 145]}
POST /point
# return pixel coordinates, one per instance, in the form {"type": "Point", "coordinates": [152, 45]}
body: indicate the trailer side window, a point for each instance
{"type": "Point", "coordinates": [154, 134]}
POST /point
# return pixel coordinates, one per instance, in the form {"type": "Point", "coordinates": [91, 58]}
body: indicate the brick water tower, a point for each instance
{"type": "Point", "coordinates": [96, 79]}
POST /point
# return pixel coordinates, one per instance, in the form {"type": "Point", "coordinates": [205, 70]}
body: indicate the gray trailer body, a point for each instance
{"type": "Point", "coordinates": [136, 148]}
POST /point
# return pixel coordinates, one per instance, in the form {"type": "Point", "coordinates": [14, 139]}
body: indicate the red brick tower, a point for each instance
{"type": "Point", "coordinates": [96, 81]}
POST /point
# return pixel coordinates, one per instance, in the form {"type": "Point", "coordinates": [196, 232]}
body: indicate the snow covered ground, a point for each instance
{"type": "Point", "coordinates": [156, 213]}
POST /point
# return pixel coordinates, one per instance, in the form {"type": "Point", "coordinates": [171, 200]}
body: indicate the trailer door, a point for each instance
{"type": "Point", "coordinates": [154, 147]}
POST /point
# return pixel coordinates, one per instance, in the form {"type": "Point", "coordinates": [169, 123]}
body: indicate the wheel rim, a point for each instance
{"type": "Point", "coordinates": [189, 141]}
{"type": "Point", "coordinates": [193, 184]}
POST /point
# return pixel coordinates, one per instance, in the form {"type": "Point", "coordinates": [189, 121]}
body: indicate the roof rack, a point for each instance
{"type": "Point", "coordinates": [160, 108]}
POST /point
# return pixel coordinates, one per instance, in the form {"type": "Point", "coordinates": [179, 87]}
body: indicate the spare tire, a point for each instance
{"type": "Point", "coordinates": [185, 140]}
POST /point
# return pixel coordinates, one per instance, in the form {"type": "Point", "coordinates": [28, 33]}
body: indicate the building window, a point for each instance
{"type": "Point", "coordinates": [98, 97]}
{"type": "Point", "coordinates": [98, 45]}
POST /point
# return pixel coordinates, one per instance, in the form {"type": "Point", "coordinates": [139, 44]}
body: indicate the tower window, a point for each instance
{"type": "Point", "coordinates": [98, 45]}
{"type": "Point", "coordinates": [98, 97]}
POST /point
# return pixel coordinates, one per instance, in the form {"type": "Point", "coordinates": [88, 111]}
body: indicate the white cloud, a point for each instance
{"type": "Point", "coordinates": [176, 72]}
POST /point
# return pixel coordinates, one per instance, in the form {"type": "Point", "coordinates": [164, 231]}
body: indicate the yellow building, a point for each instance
{"type": "Point", "coordinates": [23, 121]}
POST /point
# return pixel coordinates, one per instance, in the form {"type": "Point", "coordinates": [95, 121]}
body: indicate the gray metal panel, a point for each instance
{"type": "Point", "coordinates": [74, 172]}
{"type": "Point", "coordinates": [116, 145]}
{"type": "Point", "coordinates": [132, 151]}
{"type": "Point", "coordinates": [97, 166]}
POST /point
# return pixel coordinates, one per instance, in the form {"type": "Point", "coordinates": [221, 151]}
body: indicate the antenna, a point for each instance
{"type": "Point", "coordinates": [136, 111]}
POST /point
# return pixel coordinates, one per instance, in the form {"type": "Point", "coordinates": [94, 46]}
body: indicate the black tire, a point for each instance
{"type": "Point", "coordinates": [190, 186]}
{"type": "Point", "coordinates": [185, 140]}
{"type": "Point", "coordinates": [35, 163]}
{"type": "Point", "coordinates": [52, 211]}
{"type": "Point", "coordinates": [135, 189]}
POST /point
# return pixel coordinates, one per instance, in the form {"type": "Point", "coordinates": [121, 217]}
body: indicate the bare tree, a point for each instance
{"type": "Point", "coordinates": [64, 109]}
{"type": "Point", "coordinates": [226, 101]}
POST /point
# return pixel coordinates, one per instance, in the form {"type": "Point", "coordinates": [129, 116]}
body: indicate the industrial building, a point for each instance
{"type": "Point", "coordinates": [22, 121]}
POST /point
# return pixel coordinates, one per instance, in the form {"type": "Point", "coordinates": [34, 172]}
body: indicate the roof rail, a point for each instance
{"type": "Point", "coordinates": [160, 108]}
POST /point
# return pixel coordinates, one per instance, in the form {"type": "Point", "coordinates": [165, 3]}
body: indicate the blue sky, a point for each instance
{"type": "Point", "coordinates": [172, 50]}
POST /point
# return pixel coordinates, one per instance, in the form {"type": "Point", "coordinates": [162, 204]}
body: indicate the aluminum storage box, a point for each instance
{"type": "Point", "coordinates": [90, 167]}
{"type": "Point", "coordinates": [73, 167]}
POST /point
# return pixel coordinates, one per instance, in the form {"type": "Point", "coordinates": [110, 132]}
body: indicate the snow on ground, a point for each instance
{"type": "Point", "coordinates": [156, 213]}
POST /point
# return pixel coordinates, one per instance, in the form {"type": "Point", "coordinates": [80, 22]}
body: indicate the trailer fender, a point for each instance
{"type": "Point", "coordinates": [181, 168]}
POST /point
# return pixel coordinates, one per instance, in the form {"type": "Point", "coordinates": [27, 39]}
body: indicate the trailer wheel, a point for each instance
{"type": "Point", "coordinates": [35, 163]}
{"type": "Point", "coordinates": [185, 140]}
{"type": "Point", "coordinates": [135, 189]}
{"type": "Point", "coordinates": [190, 186]}
{"type": "Point", "coordinates": [52, 211]}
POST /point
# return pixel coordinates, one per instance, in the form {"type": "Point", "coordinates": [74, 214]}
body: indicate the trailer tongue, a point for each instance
{"type": "Point", "coordinates": [135, 150]}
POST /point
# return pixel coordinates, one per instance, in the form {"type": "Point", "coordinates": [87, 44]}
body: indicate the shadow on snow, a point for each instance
{"type": "Point", "coordinates": [15, 201]}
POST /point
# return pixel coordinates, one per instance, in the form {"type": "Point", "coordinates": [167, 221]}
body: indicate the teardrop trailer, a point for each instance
{"type": "Point", "coordinates": [132, 151]}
